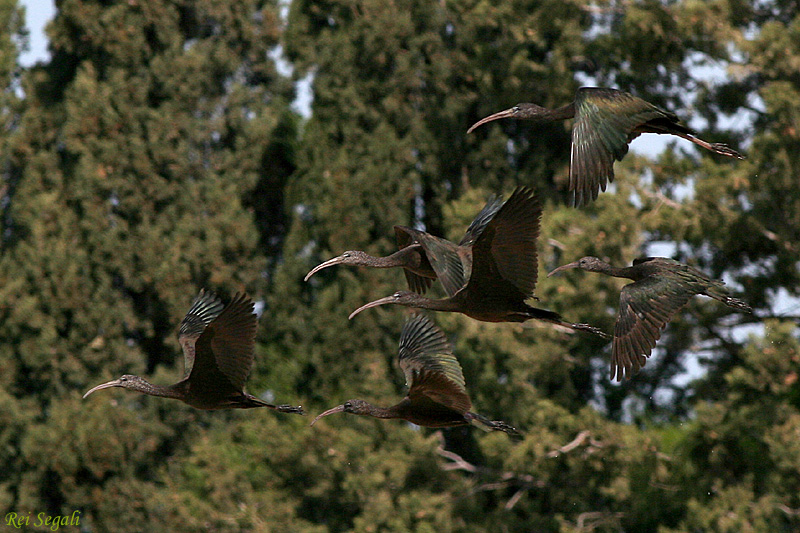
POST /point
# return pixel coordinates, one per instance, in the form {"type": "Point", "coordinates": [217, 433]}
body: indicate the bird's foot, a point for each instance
{"type": "Point", "coordinates": [724, 149]}
{"type": "Point", "coordinates": [290, 409]}
{"type": "Point", "coordinates": [591, 329]}
{"type": "Point", "coordinates": [499, 425]}
{"type": "Point", "coordinates": [738, 304]}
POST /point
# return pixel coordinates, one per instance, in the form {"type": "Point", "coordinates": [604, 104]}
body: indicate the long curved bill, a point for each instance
{"type": "Point", "coordinates": [376, 303]}
{"type": "Point", "coordinates": [508, 113]}
{"type": "Point", "coordinates": [115, 383]}
{"type": "Point", "coordinates": [326, 264]}
{"type": "Point", "coordinates": [563, 267]}
{"type": "Point", "coordinates": [337, 409]}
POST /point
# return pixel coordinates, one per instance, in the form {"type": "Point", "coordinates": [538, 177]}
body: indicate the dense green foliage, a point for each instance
{"type": "Point", "coordinates": [156, 152]}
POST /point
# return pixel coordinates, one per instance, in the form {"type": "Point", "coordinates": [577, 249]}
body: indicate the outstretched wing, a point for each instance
{"type": "Point", "coordinates": [476, 227]}
{"type": "Point", "coordinates": [445, 260]}
{"type": "Point", "coordinates": [504, 256]}
{"type": "Point", "coordinates": [605, 122]}
{"type": "Point", "coordinates": [226, 346]}
{"type": "Point", "coordinates": [205, 308]}
{"type": "Point", "coordinates": [430, 368]}
{"type": "Point", "coordinates": [416, 283]}
{"type": "Point", "coordinates": [645, 307]}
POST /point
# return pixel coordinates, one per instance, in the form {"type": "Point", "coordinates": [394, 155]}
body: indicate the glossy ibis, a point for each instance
{"type": "Point", "coordinates": [218, 345]}
{"type": "Point", "coordinates": [436, 396]}
{"type": "Point", "coordinates": [495, 269]}
{"type": "Point", "coordinates": [418, 249]}
{"type": "Point", "coordinates": [607, 120]}
{"type": "Point", "coordinates": [661, 287]}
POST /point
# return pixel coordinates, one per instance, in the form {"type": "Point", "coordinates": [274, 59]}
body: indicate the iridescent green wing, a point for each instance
{"type": "Point", "coordinates": [416, 283]}
{"type": "Point", "coordinates": [205, 308]}
{"type": "Point", "coordinates": [450, 266]}
{"type": "Point", "coordinates": [605, 123]}
{"type": "Point", "coordinates": [645, 308]}
{"type": "Point", "coordinates": [430, 368]}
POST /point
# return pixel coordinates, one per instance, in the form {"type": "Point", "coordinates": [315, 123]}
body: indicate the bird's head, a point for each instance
{"type": "Point", "coordinates": [589, 263]}
{"type": "Point", "coordinates": [354, 406]}
{"type": "Point", "coordinates": [350, 257]}
{"type": "Point", "coordinates": [127, 381]}
{"type": "Point", "coordinates": [399, 298]}
{"type": "Point", "coordinates": [521, 111]}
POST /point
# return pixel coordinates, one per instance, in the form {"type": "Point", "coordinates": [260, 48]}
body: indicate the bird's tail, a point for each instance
{"type": "Point", "coordinates": [485, 424]}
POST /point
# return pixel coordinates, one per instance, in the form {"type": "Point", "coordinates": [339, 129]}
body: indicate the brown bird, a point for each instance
{"type": "Point", "coordinates": [218, 344]}
{"type": "Point", "coordinates": [437, 395]}
{"type": "Point", "coordinates": [417, 249]}
{"type": "Point", "coordinates": [607, 120]}
{"type": "Point", "coordinates": [661, 288]}
{"type": "Point", "coordinates": [495, 270]}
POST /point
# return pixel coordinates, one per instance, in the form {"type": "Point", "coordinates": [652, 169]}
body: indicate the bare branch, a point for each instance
{"type": "Point", "coordinates": [577, 441]}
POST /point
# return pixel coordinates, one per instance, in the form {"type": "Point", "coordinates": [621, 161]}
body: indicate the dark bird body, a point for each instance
{"type": "Point", "coordinates": [437, 395]}
{"type": "Point", "coordinates": [218, 344]}
{"type": "Point", "coordinates": [661, 288]}
{"type": "Point", "coordinates": [607, 120]}
{"type": "Point", "coordinates": [419, 250]}
{"type": "Point", "coordinates": [493, 271]}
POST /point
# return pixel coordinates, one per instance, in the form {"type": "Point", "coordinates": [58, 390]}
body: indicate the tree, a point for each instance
{"type": "Point", "coordinates": [142, 143]}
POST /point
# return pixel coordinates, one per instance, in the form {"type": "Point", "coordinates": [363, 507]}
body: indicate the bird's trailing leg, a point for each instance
{"type": "Point", "coordinates": [738, 304]}
{"type": "Point", "coordinates": [298, 410]}
{"type": "Point", "coordinates": [590, 329]}
{"type": "Point", "coordinates": [717, 148]}
{"type": "Point", "coordinates": [555, 318]}
{"type": "Point", "coordinates": [491, 425]}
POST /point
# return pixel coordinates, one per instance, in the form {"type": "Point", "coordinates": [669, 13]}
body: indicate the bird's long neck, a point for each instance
{"type": "Point", "coordinates": [619, 272]}
{"type": "Point", "coordinates": [375, 411]}
{"type": "Point", "coordinates": [542, 114]}
{"type": "Point", "coordinates": [171, 391]}
{"type": "Point", "coordinates": [408, 256]}
{"type": "Point", "coordinates": [445, 304]}
{"type": "Point", "coordinates": [559, 113]}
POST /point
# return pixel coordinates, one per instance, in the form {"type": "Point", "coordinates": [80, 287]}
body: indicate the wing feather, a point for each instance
{"type": "Point", "coordinates": [646, 306]}
{"type": "Point", "coordinates": [416, 283]}
{"type": "Point", "coordinates": [205, 308]}
{"type": "Point", "coordinates": [606, 120]}
{"type": "Point", "coordinates": [507, 247]}
{"type": "Point", "coordinates": [452, 269]}
{"type": "Point", "coordinates": [430, 368]}
{"type": "Point", "coordinates": [227, 345]}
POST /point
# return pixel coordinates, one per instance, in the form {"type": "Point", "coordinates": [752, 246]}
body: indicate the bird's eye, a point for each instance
{"type": "Point", "coordinates": [515, 109]}
{"type": "Point", "coordinates": [123, 378]}
{"type": "Point", "coordinates": [346, 254]}
{"type": "Point", "coordinates": [397, 295]}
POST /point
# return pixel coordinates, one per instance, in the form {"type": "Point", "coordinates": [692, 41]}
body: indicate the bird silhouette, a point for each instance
{"type": "Point", "coordinates": [418, 250]}
{"type": "Point", "coordinates": [218, 344]}
{"type": "Point", "coordinates": [437, 395]}
{"type": "Point", "coordinates": [607, 120]}
{"type": "Point", "coordinates": [494, 270]}
{"type": "Point", "coordinates": [660, 289]}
